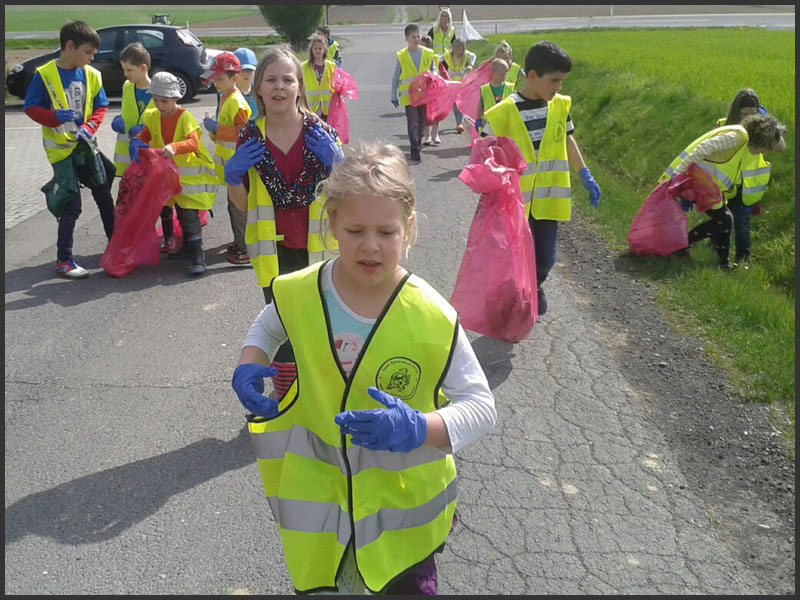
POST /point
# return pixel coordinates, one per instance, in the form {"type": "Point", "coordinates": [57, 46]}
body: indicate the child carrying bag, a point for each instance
{"type": "Point", "coordinates": [495, 291]}
{"type": "Point", "coordinates": [435, 93]}
{"type": "Point", "coordinates": [344, 86]}
{"type": "Point", "coordinates": [144, 189]}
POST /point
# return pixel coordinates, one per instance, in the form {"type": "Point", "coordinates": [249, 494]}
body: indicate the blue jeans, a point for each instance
{"type": "Point", "coordinates": [741, 226]}
{"type": "Point", "coordinates": [458, 114]}
{"type": "Point", "coordinates": [545, 233]}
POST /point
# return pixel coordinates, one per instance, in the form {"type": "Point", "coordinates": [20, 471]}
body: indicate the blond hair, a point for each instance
{"type": "Point", "coordinates": [371, 168]}
{"type": "Point", "coordinates": [273, 54]}
{"type": "Point", "coordinates": [317, 40]}
{"type": "Point", "coordinates": [498, 66]}
{"type": "Point", "coordinates": [504, 49]}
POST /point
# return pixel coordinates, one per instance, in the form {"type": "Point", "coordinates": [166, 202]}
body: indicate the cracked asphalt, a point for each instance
{"type": "Point", "coordinates": [128, 471]}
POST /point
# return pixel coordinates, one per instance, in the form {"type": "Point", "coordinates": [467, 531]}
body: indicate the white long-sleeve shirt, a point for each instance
{"type": "Point", "coordinates": [718, 149]}
{"type": "Point", "coordinates": [471, 412]}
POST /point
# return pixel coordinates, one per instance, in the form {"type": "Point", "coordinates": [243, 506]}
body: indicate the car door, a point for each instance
{"type": "Point", "coordinates": [106, 60]}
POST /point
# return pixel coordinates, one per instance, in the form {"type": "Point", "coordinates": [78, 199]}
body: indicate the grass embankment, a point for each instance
{"type": "Point", "coordinates": [639, 98]}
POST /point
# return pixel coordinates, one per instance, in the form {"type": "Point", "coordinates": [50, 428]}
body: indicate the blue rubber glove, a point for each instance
{"type": "Point", "coordinates": [135, 130]}
{"type": "Point", "coordinates": [83, 134]}
{"type": "Point", "coordinates": [65, 115]}
{"type": "Point", "coordinates": [398, 429]}
{"type": "Point", "coordinates": [686, 205]}
{"type": "Point", "coordinates": [479, 123]}
{"type": "Point", "coordinates": [246, 155]}
{"type": "Point", "coordinates": [591, 186]}
{"type": "Point", "coordinates": [762, 109]}
{"type": "Point", "coordinates": [321, 143]}
{"type": "Point", "coordinates": [248, 383]}
{"type": "Point", "coordinates": [133, 148]}
{"type": "Point", "coordinates": [118, 124]}
{"type": "Point", "coordinates": [395, 103]}
{"type": "Point", "coordinates": [210, 124]}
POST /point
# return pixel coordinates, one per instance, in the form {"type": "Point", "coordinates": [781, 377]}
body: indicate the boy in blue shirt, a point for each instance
{"type": "Point", "coordinates": [67, 99]}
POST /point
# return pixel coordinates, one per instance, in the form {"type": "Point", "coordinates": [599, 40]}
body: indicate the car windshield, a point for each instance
{"type": "Point", "coordinates": [188, 38]}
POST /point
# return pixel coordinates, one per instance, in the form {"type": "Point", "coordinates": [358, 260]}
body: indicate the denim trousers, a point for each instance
{"type": "Point", "coordinates": [741, 226]}
{"type": "Point", "coordinates": [545, 234]}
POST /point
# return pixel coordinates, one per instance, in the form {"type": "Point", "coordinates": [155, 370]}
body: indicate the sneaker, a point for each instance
{"type": "Point", "coordinates": [415, 157]}
{"type": "Point", "coordinates": [541, 301]}
{"type": "Point", "coordinates": [240, 259]}
{"type": "Point", "coordinates": [168, 245]}
{"type": "Point", "coordinates": [459, 128]}
{"type": "Point", "coordinates": [727, 265]}
{"type": "Point", "coordinates": [232, 248]}
{"type": "Point", "coordinates": [426, 141]}
{"type": "Point", "coordinates": [437, 140]}
{"type": "Point", "coordinates": [71, 270]}
{"type": "Point", "coordinates": [196, 269]}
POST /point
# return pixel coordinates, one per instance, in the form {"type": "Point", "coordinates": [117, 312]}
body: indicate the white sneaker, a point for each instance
{"type": "Point", "coordinates": [426, 141]}
{"type": "Point", "coordinates": [437, 140]}
{"type": "Point", "coordinates": [71, 270]}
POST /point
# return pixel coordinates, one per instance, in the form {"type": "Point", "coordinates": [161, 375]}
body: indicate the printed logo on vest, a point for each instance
{"type": "Point", "coordinates": [558, 133]}
{"type": "Point", "coordinates": [399, 377]}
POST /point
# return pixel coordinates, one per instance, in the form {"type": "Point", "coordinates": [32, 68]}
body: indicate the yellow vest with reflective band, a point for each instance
{"type": "Point", "coordinates": [262, 238]}
{"type": "Point", "coordinates": [131, 116]}
{"type": "Point", "coordinates": [396, 508]}
{"type": "Point", "coordinates": [59, 142]}
{"type": "Point", "coordinates": [441, 40]}
{"type": "Point", "coordinates": [754, 176]}
{"type": "Point", "coordinates": [408, 71]}
{"type": "Point", "coordinates": [333, 48]}
{"type": "Point", "coordinates": [513, 74]}
{"type": "Point", "coordinates": [198, 178]}
{"type": "Point", "coordinates": [488, 97]}
{"type": "Point", "coordinates": [545, 183]}
{"type": "Point", "coordinates": [456, 72]}
{"type": "Point", "coordinates": [224, 149]}
{"type": "Point", "coordinates": [319, 94]}
{"type": "Point", "coordinates": [724, 173]}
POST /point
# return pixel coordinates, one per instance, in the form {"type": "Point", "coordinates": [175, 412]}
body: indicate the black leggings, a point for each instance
{"type": "Point", "coordinates": [718, 228]}
{"type": "Point", "coordinates": [289, 261]}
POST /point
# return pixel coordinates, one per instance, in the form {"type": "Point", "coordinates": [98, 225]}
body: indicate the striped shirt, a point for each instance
{"type": "Point", "coordinates": [717, 149]}
{"type": "Point", "coordinates": [534, 115]}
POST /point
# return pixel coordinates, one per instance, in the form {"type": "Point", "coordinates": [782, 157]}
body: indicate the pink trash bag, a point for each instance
{"type": "Point", "coordinates": [177, 232]}
{"type": "Point", "coordinates": [495, 291]}
{"type": "Point", "coordinates": [145, 188]}
{"type": "Point", "coordinates": [435, 93]}
{"type": "Point", "coordinates": [470, 92]}
{"type": "Point", "coordinates": [343, 87]}
{"type": "Point", "coordinates": [660, 227]}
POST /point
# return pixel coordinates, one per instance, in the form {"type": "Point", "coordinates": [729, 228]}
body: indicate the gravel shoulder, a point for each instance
{"type": "Point", "coordinates": [729, 449]}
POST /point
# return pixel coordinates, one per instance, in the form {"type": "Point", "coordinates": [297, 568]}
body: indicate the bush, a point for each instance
{"type": "Point", "coordinates": [295, 23]}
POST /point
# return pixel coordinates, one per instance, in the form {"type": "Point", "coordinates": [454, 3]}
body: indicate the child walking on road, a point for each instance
{"type": "Point", "coordinates": [280, 158]}
{"type": "Point", "coordinates": [459, 61]}
{"type": "Point", "coordinates": [537, 118]}
{"type": "Point", "coordinates": [67, 99]}
{"type": "Point", "coordinates": [174, 130]}
{"type": "Point", "coordinates": [493, 92]}
{"type": "Point", "coordinates": [317, 77]}
{"type": "Point", "coordinates": [431, 134]}
{"type": "Point", "coordinates": [388, 388]}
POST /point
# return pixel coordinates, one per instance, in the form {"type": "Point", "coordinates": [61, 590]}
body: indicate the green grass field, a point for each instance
{"type": "Point", "coordinates": [639, 97]}
{"type": "Point", "coordinates": [52, 17]}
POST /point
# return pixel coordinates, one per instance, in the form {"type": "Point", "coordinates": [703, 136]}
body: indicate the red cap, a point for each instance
{"type": "Point", "coordinates": [224, 61]}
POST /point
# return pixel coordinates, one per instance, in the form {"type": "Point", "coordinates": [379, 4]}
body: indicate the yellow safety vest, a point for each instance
{"type": "Point", "coordinates": [224, 149]}
{"type": "Point", "coordinates": [261, 236]}
{"type": "Point", "coordinates": [59, 142]}
{"type": "Point", "coordinates": [131, 116]}
{"type": "Point", "coordinates": [754, 176]}
{"type": "Point", "coordinates": [333, 48]}
{"type": "Point", "coordinates": [396, 508]}
{"type": "Point", "coordinates": [198, 178]}
{"type": "Point", "coordinates": [726, 172]}
{"type": "Point", "coordinates": [545, 183]}
{"type": "Point", "coordinates": [441, 40]}
{"type": "Point", "coordinates": [408, 71]}
{"type": "Point", "coordinates": [488, 97]}
{"type": "Point", "coordinates": [456, 72]}
{"type": "Point", "coordinates": [513, 74]}
{"type": "Point", "coordinates": [319, 94]}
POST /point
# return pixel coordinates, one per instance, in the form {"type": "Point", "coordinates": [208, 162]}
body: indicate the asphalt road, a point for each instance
{"type": "Point", "coordinates": [128, 470]}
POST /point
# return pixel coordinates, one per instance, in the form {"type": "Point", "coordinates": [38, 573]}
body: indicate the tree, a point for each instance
{"type": "Point", "coordinates": [294, 22]}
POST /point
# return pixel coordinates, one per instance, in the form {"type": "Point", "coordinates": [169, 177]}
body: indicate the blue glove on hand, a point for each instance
{"type": "Point", "coordinates": [686, 205]}
{"type": "Point", "coordinates": [479, 123]}
{"type": "Point", "coordinates": [248, 383]}
{"type": "Point", "coordinates": [118, 124]}
{"type": "Point", "coordinates": [321, 143]}
{"type": "Point", "coordinates": [395, 103]}
{"type": "Point", "coordinates": [398, 429]}
{"type": "Point", "coordinates": [210, 124]}
{"type": "Point", "coordinates": [591, 186]}
{"type": "Point", "coordinates": [65, 115]}
{"type": "Point", "coordinates": [135, 130]}
{"type": "Point", "coordinates": [762, 109]}
{"type": "Point", "coordinates": [83, 134]}
{"type": "Point", "coordinates": [246, 155]}
{"type": "Point", "coordinates": [133, 148]}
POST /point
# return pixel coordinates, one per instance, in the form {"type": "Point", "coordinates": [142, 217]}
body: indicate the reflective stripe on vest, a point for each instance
{"type": "Point", "coordinates": [755, 177]}
{"type": "Point", "coordinates": [545, 183]}
{"type": "Point", "coordinates": [199, 184]}
{"type": "Point", "coordinates": [261, 235]}
{"type": "Point", "coordinates": [725, 174]}
{"type": "Point", "coordinates": [59, 142]}
{"type": "Point", "coordinates": [408, 71]}
{"type": "Point", "coordinates": [396, 508]}
{"type": "Point", "coordinates": [224, 149]}
{"type": "Point", "coordinates": [130, 115]}
{"type": "Point", "coordinates": [318, 94]}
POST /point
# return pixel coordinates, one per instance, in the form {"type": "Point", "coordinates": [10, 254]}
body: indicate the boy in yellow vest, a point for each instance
{"type": "Point", "coordinates": [537, 118]}
{"type": "Point", "coordinates": [494, 91]}
{"type": "Point", "coordinates": [232, 114]}
{"type": "Point", "coordinates": [135, 62]}
{"type": "Point", "coordinates": [172, 129]}
{"type": "Point", "coordinates": [67, 99]}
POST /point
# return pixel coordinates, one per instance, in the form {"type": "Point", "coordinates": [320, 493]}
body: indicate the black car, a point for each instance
{"type": "Point", "coordinates": [173, 49]}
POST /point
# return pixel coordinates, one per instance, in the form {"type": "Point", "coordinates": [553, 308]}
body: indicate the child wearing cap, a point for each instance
{"type": "Point", "coordinates": [233, 111]}
{"type": "Point", "coordinates": [174, 130]}
{"type": "Point", "coordinates": [247, 58]}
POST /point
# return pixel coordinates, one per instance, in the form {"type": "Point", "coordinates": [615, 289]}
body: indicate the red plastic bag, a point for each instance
{"type": "Point", "coordinates": [343, 83]}
{"type": "Point", "coordinates": [470, 92]}
{"type": "Point", "coordinates": [144, 189]}
{"type": "Point", "coordinates": [177, 232]}
{"type": "Point", "coordinates": [660, 227]}
{"type": "Point", "coordinates": [495, 291]}
{"type": "Point", "coordinates": [343, 87]}
{"type": "Point", "coordinates": [435, 93]}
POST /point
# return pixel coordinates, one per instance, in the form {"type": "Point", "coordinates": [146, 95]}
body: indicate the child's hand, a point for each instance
{"type": "Point", "coordinates": [134, 147]}
{"type": "Point", "coordinates": [591, 186]}
{"type": "Point", "coordinates": [248, 383]}
{"type": "Point", "coordinates": [247, 154]}
{"type": "Point", "coordinates": [686, 205]}
{"type": "Point", "coordinates": [135, 130]}
{"type": "Point", "coordinates": [399, 428]}
{"type": "Point", "coordinates": [167, 151]}
{"type": "Point", "coordinates": [65, 115]}
{"type": "Point", "coordinates": [210, 124]}
{"type": "Point", "coordinates": [118, 124]}
{"type": "Point", "coordinates": [323, 145]}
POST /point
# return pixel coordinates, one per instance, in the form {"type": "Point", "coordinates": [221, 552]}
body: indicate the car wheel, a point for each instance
{"type": "Point", "coordinates": [185, 85]}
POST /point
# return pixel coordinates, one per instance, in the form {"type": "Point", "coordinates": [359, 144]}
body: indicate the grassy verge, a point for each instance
{"type": "Point", "coordinates": [639, 97]}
